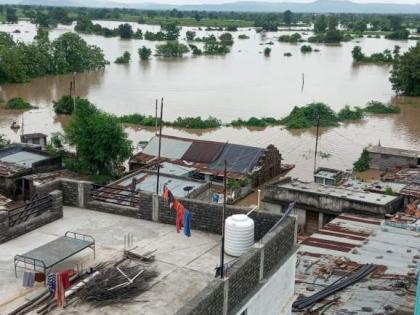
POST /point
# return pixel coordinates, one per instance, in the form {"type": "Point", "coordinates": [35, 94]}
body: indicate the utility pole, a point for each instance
{"type": "Point", "coordinates": [160, 145]}
{"type": "Point", "coordinates": [73, 90]}
{"type": "Point", "coordinates": [156, 117]}
{"type": "Point", "coordinates": [222, 247]}
{"type": "Point", "coordinates": [316, 141]}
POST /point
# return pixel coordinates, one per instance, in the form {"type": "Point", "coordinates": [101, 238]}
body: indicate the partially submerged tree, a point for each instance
{"type": "Point", "coordinates": [405, 74]}
{"type": "Point", "coordinates": [101, 144]}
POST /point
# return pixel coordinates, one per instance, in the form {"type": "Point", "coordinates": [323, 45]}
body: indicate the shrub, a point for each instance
{"type": "Point", "coordinates": [243, 36]}
{"type": "Point", "coordinates": [138, 119]}
{"type": "Point", "coordinates": [362, 164]}
{"type": "Point", "coordinates": [124, 59]}
{"type": "Point", "coordinates": [376, 107]}
{"type": "Point", "coordinates": [171, 49]}
{"type": "Point", "coordinates": [64, 106]}
{"type": "Point", "coordinates": [144, 53]}
{"type": "Point", "coordinates": [309, 115]}
{"type": "Point", "coordinates": [197, 122]}
{"type": "Point", "coordinates": [267, 51]}
{"type": "Point", "coordinates": [350, 114]}
{"type": "Point", "coordinates": [18, 103]}
{"type": "Point", "coordinates": [306, 49]}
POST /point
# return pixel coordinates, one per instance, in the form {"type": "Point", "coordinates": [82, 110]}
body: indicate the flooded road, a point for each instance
{"type": "Point", "coordinates": [242, 84]}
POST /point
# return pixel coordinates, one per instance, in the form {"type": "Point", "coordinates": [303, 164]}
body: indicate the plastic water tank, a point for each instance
{"type": "Point", "coordinates": [239, 234]}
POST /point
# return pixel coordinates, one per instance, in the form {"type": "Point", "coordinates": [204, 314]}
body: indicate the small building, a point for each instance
{"type": "Point", "coordinates": [348, 243]}
{"type": "Point", "coordinates": [385, 158]}
{"type": "Point", "coordinates": [18, 160]}
{"type": "Point", "coordinates": [207, 158]}
{"type": "Point", "coordinates": [328, 176]}
{"type": "Point", "coordinates": [35, 139]}
{"type": "Point", "coordinates": [317, 204]}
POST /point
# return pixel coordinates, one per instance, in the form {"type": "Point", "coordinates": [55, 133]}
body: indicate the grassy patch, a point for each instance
{"type": "Point", "coordinates": [375, 107]}
{"type": "Point", "coordinates": [18, 103]}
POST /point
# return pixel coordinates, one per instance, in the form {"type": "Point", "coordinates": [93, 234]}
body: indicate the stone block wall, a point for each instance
{"type": "Point", "coordinates": [55, 212]}
{"type": "Point", "coordinates": [247, 275]}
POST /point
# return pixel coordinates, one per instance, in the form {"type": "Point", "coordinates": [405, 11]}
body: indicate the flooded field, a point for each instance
{"type": "Point", "coordinates": [242, 84]}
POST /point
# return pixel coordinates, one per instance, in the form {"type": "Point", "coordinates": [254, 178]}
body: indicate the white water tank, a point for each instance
{"type": "Point", "coordinates": [239, 234]}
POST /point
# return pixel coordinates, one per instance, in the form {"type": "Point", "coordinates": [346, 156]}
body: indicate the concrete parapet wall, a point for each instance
{"type": "Point", "coordinates": [54, 212]}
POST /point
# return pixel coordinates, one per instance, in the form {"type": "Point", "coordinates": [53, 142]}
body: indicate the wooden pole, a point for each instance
{"type": "Point", "coordinates": [160, 145]}
{"type": "Point", "coordinates": [222, 247]}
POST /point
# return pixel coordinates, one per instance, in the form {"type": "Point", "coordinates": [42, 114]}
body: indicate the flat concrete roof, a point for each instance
{"type": "Point", "coordinates": [349, 241]}
{"type": "Point", "coordinates": [326, 174]}
{"type": "Point", "coordinates": [338, 192]}
{"type": "Point", "coordinates": [180, 187]}
{"type": "Point", "coordinates": [185, 265]}
{"type": "Point", "coordinates": [24, 158]}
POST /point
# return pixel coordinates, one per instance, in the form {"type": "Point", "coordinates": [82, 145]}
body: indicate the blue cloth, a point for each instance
{"type": "Point", "coordinates": [28, 279]}
{"type": "Point", "coordinates": [187, 222]}
{"type": "Point", "coordinates": [51, 282]}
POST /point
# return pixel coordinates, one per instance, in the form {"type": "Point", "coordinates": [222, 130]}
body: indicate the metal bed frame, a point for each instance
{"type": "Point", "coordinates": [28, 262]}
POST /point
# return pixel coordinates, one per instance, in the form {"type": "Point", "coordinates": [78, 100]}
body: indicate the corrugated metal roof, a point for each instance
{"type": "Point", "coordinates": [203, 151]}
{"type": "Point", "coordinates": [242, 159]}
{"type": "Point", "coordinates": [24, 158]}
{"type": "Point", "coordinates": [349, 241]}
{"type": "Point", "coordinates": [171, 148]}
{"type": "Point", "coordinates": [10, 169]}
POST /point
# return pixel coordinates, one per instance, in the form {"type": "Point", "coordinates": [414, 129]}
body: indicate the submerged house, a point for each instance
{"type": "Point", "coordinates": [386, 158]}
{"type": "Point", "coordinates": [207, 159]}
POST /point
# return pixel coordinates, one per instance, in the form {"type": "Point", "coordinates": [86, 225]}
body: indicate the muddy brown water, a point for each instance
{"type": "Point", "coordinates": [242, 84]}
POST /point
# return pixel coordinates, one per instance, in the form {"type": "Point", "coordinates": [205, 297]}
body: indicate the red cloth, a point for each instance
{"type": "Point", "coordinates": [40, 277]}
{"type": "Point", "coordinates": [65, 278]}
{"type": "Point", "coordinates": [59, 290]}
{"type": "Point", "coordinates": [179, 216]}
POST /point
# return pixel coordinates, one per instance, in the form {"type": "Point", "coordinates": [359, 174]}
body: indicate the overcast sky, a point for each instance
{"type": "Point", "coordinates": [224, 1]}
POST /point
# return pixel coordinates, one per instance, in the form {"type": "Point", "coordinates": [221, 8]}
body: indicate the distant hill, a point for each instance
{"type": "Point", "coordinates": [318, 6]}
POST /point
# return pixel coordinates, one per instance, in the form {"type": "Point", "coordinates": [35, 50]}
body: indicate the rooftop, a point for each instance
{"type": "Point", "coordinates": [24, 158]}
{"type": "Point", "coordinates": [338, 192]}
{"type": "Point", "coordinates": [327, 173]}
{"type": "Point", "coordinates": [205, 156]}
{"type": "Point", "coordinates": [4, 202]}
{"type": "Point", "coordinates": [33, 135]}
{"type": "Point", "coordinates": [185, 265]}
{"type": "Point", "coordinates": [11, 169]}
{"type": "Point", "coordinates": [43, 178]}
{"type": "Point", "coordinates": [349, 241]}
{"type": "Point", "coordinates": [393, 151]}
{"type": "Point", "coordinates": [146, 181]}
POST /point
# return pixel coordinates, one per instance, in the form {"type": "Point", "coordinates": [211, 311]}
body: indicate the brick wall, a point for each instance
{"type": "Point", "coordinates": [55, 212]}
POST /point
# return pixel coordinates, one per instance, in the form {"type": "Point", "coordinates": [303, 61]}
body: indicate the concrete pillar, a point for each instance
{"type": "Point", "coordinates": [57, 202]}
{"type": "Point", "coordinates": [320, 220]}
{"type": "Point", "coordinates": [155, 208]}
{"type": "Point", "coordinates": [4, 226]}
{"type": "Point", "coordinates": [262, 264]}
{"type": "Point", "coordinates": [225, 296]}
{"type": "Point", "coordinates": [81, 195]}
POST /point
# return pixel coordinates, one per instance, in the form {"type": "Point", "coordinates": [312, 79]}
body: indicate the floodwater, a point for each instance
{"type": "Point", "coordinates": [242, 84]}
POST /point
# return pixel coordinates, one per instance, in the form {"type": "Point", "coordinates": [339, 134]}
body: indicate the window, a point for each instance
{"type": "Point", "coordinates": [35, 140]}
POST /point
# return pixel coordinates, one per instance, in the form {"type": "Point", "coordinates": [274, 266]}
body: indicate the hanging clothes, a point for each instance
{"type": "Point", "coordinates": [28, 279]}
{"type": "Point", "coordinates": [51, 283]}
{"type": "Point", "coordinates": [60, 291]}
{"type": "Point", "coordinates": [39, 277]}
{"type": "Point", "coordinates": [187, 222]}
{"type": "Point", "coordinates": [180, 210]}
{"type": "Point", "coordinates": [165, 193]}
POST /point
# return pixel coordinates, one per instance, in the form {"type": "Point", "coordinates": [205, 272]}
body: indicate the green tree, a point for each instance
{"type": "Point", "coordinates": [357, 54]}
{"type": "Point", "coordinates": [320, 25]}
{"type": "Point", "coordinates": [4, 141]}
{"type": "Point", "coordinates": [288, 17]}
{"type": "Point", "coordinates": [267, 51]}
{"type": "Point", "coordinates": [101, 144]}
{"type": "Point", "coordinates": [362, 164]}
{"type": "Point", "coordinates": [11, 16]}
{"type": "Point", "coordinates": [145, 53]}
{"type": "Point", "coordinates": [171, 31]}
{"type": "Point", "coordinates": [405, 74]}
{"type": "Point", "coordinates": [124, 59]}
{"type": "Point", "coordinates": [190, 35]}
{"type": "Point", "coordinates": [65, 105]}
{"type": "Point", "coordinates": [125, 31]}
{"type": "Point", "coordinates": [332, 23]}
{"type": "Point", "coordinates": [226, 39]}
{"type": "Point", "coordinates": [72, 54]}
{"type": "Point", "coordinates": [171, 49]}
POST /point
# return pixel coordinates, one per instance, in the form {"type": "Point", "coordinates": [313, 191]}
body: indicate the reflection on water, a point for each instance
{"type": "Point", "coordinates": [243, 83]}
